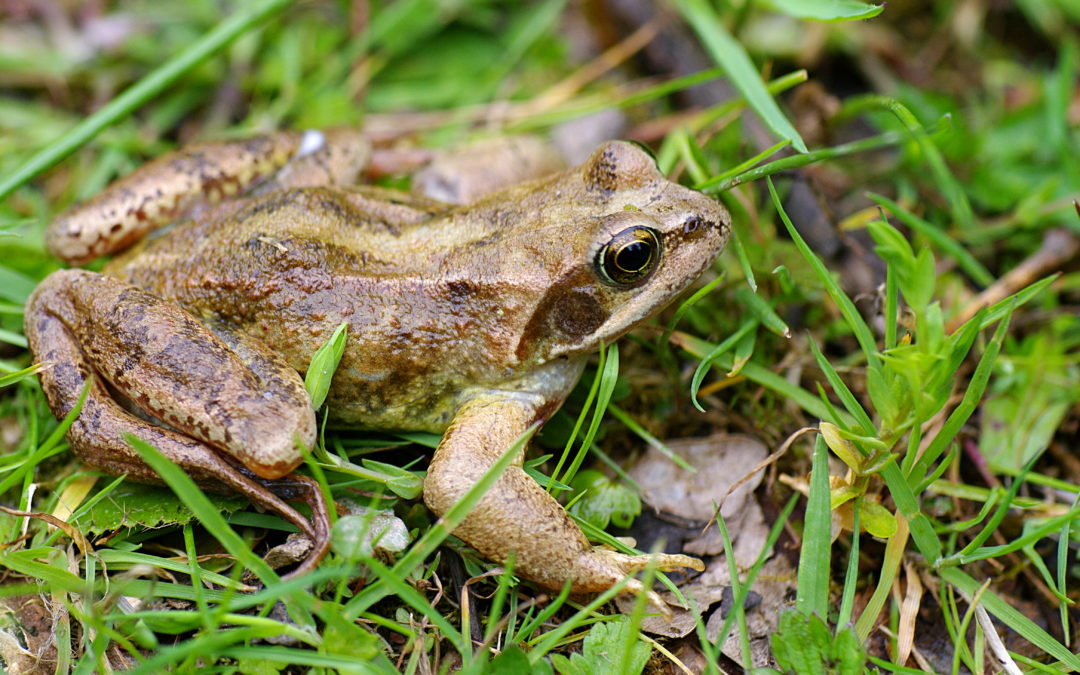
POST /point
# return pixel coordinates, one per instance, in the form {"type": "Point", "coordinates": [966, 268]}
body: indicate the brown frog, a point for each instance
{"type": "Point", "coordinates": [470, 321]}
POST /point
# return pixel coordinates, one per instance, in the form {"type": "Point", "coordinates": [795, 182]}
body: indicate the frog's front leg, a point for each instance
{"type": "Point", "coordinates": [199, 175]}
{"type": "Point", "coordinates": [242, 403]}
{"type": "Point", "coordinates": [517, 516]}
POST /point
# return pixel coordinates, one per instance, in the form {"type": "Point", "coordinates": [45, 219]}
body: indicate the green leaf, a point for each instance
{"type": "Point", "coordinates": [204, 510]}
{"type": "Point", "coordinates": [323, 364]}
{"type": "Point", "coordinates": [604, 500]}
{"type": "Point", "coordinates": [878, 520]}
{"type": "Point", "coordinates": [357, 537]}
{"type": "Point", "coordinates": [742, 72]}
{"type": "Point", "coordinates": [133, 504]}
{"type": "Point", "coordinates": [602, 651]}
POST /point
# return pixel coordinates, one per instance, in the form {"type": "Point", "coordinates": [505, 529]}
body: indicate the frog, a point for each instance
{"type": "Point", "coordinates": [234, 261]}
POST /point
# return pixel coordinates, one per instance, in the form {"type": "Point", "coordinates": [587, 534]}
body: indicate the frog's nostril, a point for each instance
{"type": "Point", "coordinates": [692, 224]}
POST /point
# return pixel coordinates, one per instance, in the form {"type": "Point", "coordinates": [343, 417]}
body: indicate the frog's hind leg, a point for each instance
{"type": "Point", "coordinates": [182, 183]}
{"type": "Point", "coordinates": [516, 516]}
{"type": "Point", "coordinates": [71, 351]}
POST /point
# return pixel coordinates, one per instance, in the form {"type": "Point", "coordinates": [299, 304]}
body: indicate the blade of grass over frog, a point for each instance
{"type": "Point", "coordinates": [609, 375]}
{"type": "Point", "coordinates": [9, 379]}
{"type": "Point", "coordinates": [742, 73]}
{"type": "Point", "coordinates": [851, 575]}
{"type": "Point", "coordinates": [716, 355]}
{"type": "Point", "coordinates": [939, 238]}
{"type": "Point", "coordinates": [1011, 617]}
{"type": "Point", "coordinates": [812, 594]}
{"type": "Point", "coordinates": [722, 184]}
{"type": "Point", "coordinates": [764, 312]}
{"type": "Point", "coordinates": [631, 424]}
{"type": "Point", "coordinates": [397, 585]}
{"type": "Point", "coordinates": [604, 538]}
{"type": "Point", "coordinates": [751, 575]}
{"type": "Point", "coordinates": [959, 416]}
{"type": "Point", "coordinates": [842, 392]}
{"type": "Point", "coordinates": [894, 553]}
{"type": "Point", "coordinates": [847, 308]}
{"type": "Point", "coordinates": [324, 362]}
{"type": "Point", "coordinates": [594, 389]}
{"type": "Point", "coordinates": [826, 10]}
{"type": "Point", "coordinates": [208, 515]}
{"type": "Point", "coordinates": [438, 532]}
{"type": "Point", "coordinates": [243, 19]}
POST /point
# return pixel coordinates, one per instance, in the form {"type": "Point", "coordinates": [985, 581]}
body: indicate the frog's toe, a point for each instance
{"type": "Point", "coordinates": [661, 561]}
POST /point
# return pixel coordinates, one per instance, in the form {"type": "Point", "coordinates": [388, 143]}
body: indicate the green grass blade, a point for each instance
{"type": "Point", "coordinates": [209, 516]}
{"type": "Point", "coordinates": [812, 595]}
{"type": "Point", "coordinates": [1011, 617]}
{"type": "Point", "coordinates": [731, 56]}
{"type": "Point", "coordinates": [847, 307]}
{"type": "Point", "coordinates": [242, 20]}
{"type": "Point", "coordinates": [826, 10]}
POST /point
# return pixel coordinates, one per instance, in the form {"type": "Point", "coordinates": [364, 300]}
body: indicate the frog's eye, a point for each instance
{"type": "Point", "coordinates": [629, 257]}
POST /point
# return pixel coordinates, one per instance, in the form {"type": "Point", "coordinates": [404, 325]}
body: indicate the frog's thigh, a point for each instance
{"type": "Point", "coordinates": [98, 434]}
{"type": "Point", "coordinates": [517, 515]}
{"type": "Point", "coordinates": [248, 404]}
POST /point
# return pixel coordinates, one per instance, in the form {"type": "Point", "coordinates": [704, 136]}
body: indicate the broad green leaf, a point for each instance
{"type": "Point", "coordinates": [133, 504]}
{"type": "Point", "coordinates": [604, 500]}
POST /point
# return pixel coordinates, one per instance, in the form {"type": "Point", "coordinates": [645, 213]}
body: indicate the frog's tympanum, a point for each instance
{"type": "Point", "coordinates": [471, 321]}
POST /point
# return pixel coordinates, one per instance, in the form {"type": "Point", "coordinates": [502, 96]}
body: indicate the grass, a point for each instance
{"type": "Point", "coordinates": [950, 427]}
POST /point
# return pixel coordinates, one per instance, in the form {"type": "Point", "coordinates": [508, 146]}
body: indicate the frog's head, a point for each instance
{"type": "Point", "coordinates": [644, 241]}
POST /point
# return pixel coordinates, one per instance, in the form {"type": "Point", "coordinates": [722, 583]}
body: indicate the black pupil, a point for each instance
{"type": "Point", "coordinates": [633, 257]}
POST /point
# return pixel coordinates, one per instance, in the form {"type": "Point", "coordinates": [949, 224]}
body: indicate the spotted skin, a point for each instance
{"type": "Point", "coordinates": [470, 321]}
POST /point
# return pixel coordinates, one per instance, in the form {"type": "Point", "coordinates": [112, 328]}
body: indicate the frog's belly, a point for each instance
{"type": "Point", "coordinates": [385, 399]}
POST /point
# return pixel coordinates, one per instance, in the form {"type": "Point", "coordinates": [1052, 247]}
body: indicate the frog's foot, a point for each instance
{"type": "Point", "coordinates": [197, 176]}
{"type": "Point", "coordinates": [516, 517]}
{"type": "Point", "coordinates": [75, 349]}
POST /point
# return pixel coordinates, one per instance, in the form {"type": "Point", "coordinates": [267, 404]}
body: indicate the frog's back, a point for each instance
{"type": "Point", "coordinates": [287, 268]}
